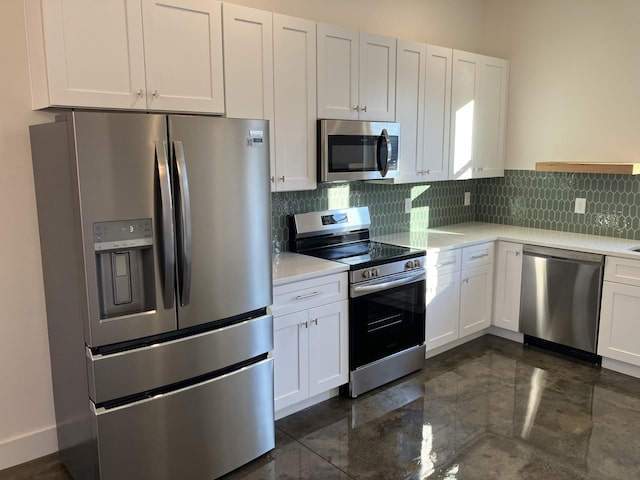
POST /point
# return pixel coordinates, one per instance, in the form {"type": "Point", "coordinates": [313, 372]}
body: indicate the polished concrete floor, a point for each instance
{"type": "Point", "coordinates": [491, 409]}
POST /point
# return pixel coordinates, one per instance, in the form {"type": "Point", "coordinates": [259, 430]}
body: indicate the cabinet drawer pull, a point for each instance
{"type": "Point", "coordinates": [304, 324]}
{"type": "Point", "coordinates": [315, 320]}
{"type": "Point", "coordinates": [476, 257]}
{"type": "Point", "coordinates": [452, 262]}
{"type": "Point", "coordinates": [308, 295]}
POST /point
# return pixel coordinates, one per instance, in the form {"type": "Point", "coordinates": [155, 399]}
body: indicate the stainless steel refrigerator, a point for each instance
{"type": "Point", "coordinates": [155, 238]}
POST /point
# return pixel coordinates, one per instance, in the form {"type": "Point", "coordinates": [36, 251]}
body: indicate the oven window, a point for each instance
{"type": "Point", "coordinates": [386, 322]}
{"type": "Point", "coordinates": [352, 153]}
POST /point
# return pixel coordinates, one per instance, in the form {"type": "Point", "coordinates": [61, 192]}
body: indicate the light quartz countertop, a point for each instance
{"type": "Point", "coordinates": [472, 233]}
{"type": "Point", "coordinates": [291, 267]}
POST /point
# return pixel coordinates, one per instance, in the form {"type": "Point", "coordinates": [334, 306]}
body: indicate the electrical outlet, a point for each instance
{"type": "Point", "coordinates": [581, 205]}
{"type": "Point", "coordinates": [407, 205]}
{"type": "Point", "coordinates": [467, 199]}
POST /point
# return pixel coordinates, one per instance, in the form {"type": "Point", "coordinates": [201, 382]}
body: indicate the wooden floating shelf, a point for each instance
{"type": "Point", "coordinates": [577, 167]}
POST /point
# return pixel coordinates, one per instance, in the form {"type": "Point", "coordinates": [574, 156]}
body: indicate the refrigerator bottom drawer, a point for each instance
{"type": "Point", "coordinates": [199, 432]}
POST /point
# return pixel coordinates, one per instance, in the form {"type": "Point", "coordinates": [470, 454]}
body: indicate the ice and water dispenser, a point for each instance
{"type": "Point", "coordinates": [124, 264]}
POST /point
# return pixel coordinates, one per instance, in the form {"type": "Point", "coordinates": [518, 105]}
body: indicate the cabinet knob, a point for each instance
{"type": "Point", "coordinates": [356, 108]}
{"type": "Point", "coordinates": [281, 178]}
{"type": "Point", "coordinates": [427, 171]}
{"type": "Point", "coordinates": [364, 109]}
{"type": "Point", "coordinates": [140, 93]}
{"type": "Point", "coordinates": [273, 179]}
{"type": "Point", "coordinates": [304, 324]}
{"type": "Point", "coordinates": [315, 320]}
{"type": "Point", "coordinates": [155, 94]}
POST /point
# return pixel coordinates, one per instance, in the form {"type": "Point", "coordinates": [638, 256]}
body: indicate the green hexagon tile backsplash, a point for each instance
{"type": "Point", "coordinates": [522, 197]}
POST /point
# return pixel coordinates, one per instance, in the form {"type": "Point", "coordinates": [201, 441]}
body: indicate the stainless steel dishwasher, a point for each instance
{"type": "Point", "coordinates": [560, 299]}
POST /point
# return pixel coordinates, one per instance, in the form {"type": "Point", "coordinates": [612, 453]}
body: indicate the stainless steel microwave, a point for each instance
{"type": "Point", "coordinates": [350, 150]}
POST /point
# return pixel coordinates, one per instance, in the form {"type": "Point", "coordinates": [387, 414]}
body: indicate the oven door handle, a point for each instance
{"type": "Point", "coordinates": [366, 289]}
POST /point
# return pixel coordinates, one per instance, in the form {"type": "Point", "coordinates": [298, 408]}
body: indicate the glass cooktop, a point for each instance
{"type": "Point", "coordinates": [364, 254]}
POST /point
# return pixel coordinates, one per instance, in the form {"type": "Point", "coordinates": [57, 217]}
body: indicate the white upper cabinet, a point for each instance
{"type": "Point", "coordinates": [377, 78]}
{"type": "Point", "coordinates": [423, 106]}
{"type": "Point", "coordinates": [86, 53]}
{"type": "Point", "coordinates": [91, 53]}
{"type": "Point", "coordinates": [183, 55]}
{"type": "Point", "coordinates": [479, 110]}
{"type": "Point", "coordinates": [248, 62]}
{"type": "Point", "coordinates": [356, 74]}
{"type": "Point", "coordinates": [293, 167]}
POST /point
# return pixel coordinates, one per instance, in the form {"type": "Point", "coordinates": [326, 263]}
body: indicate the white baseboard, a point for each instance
{"type": "Point", "coordinates": [455, 343]}
{"type": "Point", "coordinates": [621, 367]}
{"type": "Point", "coordinates": [32, 445]}
{"type": "Point", "coordinates": [296, 407]}
{"type": "Point", "coordinates": [508, 334]}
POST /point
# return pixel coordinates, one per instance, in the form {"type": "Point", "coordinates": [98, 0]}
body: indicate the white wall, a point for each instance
{"type": "Point", "coordinates": [574, 92]}
{"type": "Point", "coordinates": [26, 402]}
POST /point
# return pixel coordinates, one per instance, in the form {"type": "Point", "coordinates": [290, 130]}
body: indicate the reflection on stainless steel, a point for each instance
{"type": "Point", "coordinates": [560, 299]}
{"type": "Point", "coordinates": [536, 389]}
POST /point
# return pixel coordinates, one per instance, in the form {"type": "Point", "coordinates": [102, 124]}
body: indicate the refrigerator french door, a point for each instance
{"type": "Point", "coordinates": [155, 238]}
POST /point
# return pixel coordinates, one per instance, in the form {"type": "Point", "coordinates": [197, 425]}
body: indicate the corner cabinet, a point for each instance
{"type": "Point", "coordinates": [132, 54]}
{"type": "Point", "coordinates": [423, 107]}
{"type": "Point", "coordinates": [356, 74]}
{"type": "Point", "coordinates": [619, 320]}
{"type": "Point", "coordinates": [508, 285]}
{"type": "Point", "coordinates": [478, 116]}
{"type": "Point", "coordinates": [311, 341]}
{"type": "Point", "coordinates": [459, 294]}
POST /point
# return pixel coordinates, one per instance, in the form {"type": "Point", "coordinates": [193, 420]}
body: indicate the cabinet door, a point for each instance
{"type": "Point", "coordinates": [377, 78]}
{"type": "Point", "coordinates": [476, 297]}
{"type": "Point", "coordinates": [443, 301]}
{"type": "Point", "coordinates": [248, 62]}
{"type": "Point", "coordinates": [491, 119]}
{"type": "Point", "coordinates": [437, 113]}
{"type": "Point", "coordinates": [293, 167]}
{"type": "Point", "coordinates": [338, 63]}
{"type": "Point", "coordinates": [183, 55]}
{"type": "Point", "coordinates": [291, 358]}
{"type": "Point", "coordinates": [508, 284]}
{"type": "Point", "coordinates": [410, 109]}
{"type": "Point", "coordinates": [464, 94]}
{"type": "Point", "coordinates": [86, 53]}
{"type": "Point", "coordinates": [619, 323]}
{"type": "Point", "coordinates": [328, 347]}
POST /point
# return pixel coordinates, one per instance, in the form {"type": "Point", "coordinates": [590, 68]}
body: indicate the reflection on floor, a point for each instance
{"type": "Point", "coordinates": [487, 410]}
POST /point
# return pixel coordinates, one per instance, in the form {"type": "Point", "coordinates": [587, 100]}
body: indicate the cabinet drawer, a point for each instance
{"type": "Point", "coordinates": [477, 255]}
{"type": "Point", "coordinates": [622, 270]}
{"type": "Point", "coordinates": [443, 263]}
{"type": "Point", "coordinates": [298, 296]}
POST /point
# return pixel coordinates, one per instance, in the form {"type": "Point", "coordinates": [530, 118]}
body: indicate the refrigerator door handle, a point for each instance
{"type": "Point", "coordinates": [166, 207]}
{"type": "Point", "coordinates": [184, 225]}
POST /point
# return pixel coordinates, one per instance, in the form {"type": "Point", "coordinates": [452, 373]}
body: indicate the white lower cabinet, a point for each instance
{"type": "Point", "coordinates": [459, 293]}
{"type": "Point", "coordinates": [310, 343]}
{"type": "Point", "coordinates": [619, 320]}
{"type": "Point", "coordinates": [508, 282]}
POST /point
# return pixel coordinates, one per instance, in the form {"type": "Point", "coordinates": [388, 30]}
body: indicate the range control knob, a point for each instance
{"type": "Point", "coordinates": [416, 263]}
{"type": "Point", "coordinates": [366, 274]}
{"type": "Point", "coordinates": [409, 264]}
{"type": "Point", "coordinates": [375, 272]}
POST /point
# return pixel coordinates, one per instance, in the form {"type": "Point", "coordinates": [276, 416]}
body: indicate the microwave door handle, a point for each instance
{"type": "Point", "coordinates": [384, 166]}
{"type": "Point", "coordinates": [167, 245]}
{"type": "Point", "coordinates": [184, 225]}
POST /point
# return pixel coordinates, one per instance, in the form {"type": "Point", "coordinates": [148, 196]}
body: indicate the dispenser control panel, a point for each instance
{"type": "Point", "coordinates": [122, 234]}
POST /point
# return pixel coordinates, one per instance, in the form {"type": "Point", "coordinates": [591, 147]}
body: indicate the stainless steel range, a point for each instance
{"type": "Point", "coordinates": [386, 293]}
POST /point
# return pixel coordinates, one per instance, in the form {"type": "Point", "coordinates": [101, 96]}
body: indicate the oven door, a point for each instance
{"type": "Point", "coordinates": [385, 320]}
